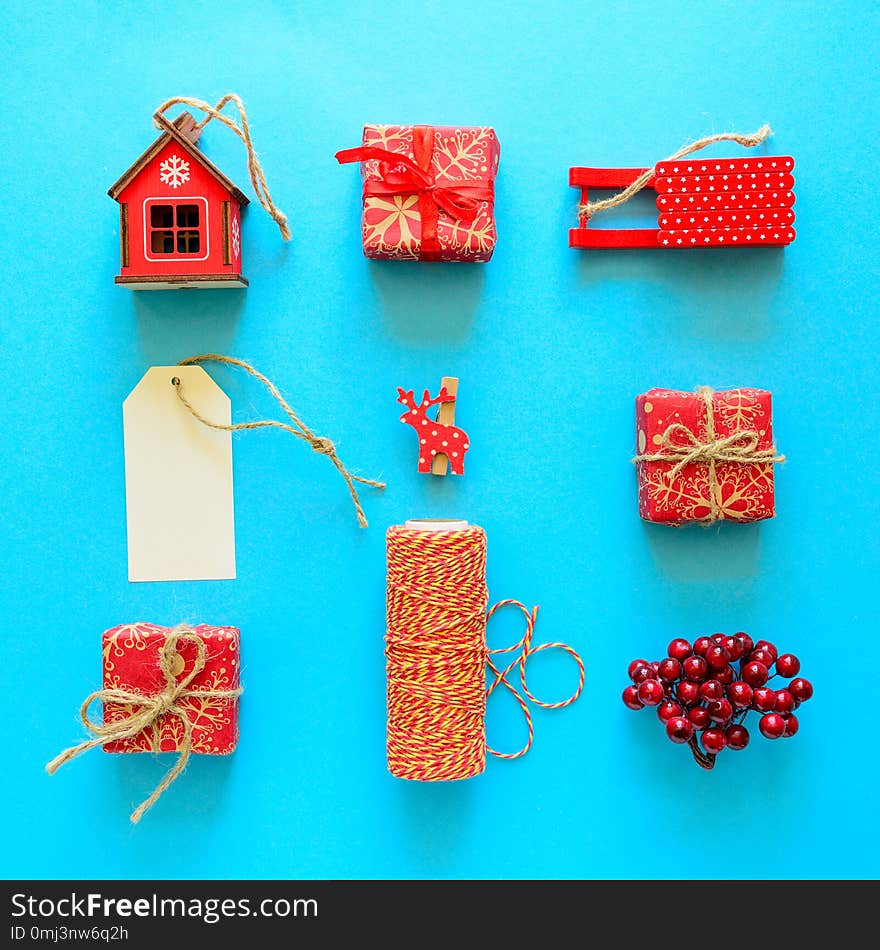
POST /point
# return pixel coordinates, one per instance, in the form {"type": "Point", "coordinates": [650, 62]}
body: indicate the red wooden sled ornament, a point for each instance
{"type": "Point", "coordinates": [441, 444]}
{"type": "Point", "coordinates": [702, 202]}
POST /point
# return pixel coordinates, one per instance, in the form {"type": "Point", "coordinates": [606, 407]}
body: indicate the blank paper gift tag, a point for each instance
{"type": "Point", "coordinates": [178, 479]}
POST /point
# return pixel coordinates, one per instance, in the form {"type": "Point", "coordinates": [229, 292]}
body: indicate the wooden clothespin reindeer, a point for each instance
{"type": "Point", "coordinates": [442, 445]}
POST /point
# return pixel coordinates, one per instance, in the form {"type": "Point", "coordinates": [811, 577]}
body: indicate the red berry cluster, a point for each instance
{"type": "Point", "coordinates": [698, 689]}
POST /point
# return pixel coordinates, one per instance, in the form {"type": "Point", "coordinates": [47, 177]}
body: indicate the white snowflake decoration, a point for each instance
{"type": "Point", "coordinates": [174, 171]}
{"type": "Point", "coordinates": [236, 238]}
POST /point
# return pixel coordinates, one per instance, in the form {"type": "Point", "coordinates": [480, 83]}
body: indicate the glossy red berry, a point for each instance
{"type": "Point", "coordinates": [710, 690]}
{"type": "Point", "coordinates": [764, 699]}
{"type": "Point", "coordinates": [725, 675]}
{"type": "Point", "coordinates": [718, 638]}
{"type": "Point", "coordinates": [651, 693]}
{"type": "Point", "coordinates": [688, 692]}
{"type": "Point", "coordinates": [740, 694]}
{"type": "Point", "coordinates": [720, 711]}
{"type": "Point", "coordinates": [633, 668]}
{"type": "Point", "coordinates": [714, 740]}
{"type": "Point", "coordinates": [668, 710]}
{"type": "Point", "coordinates": [746, 642]}
{"type": "Point", "coordinates": [695, 668]}
{"type": "Point", "coordinates": [679, 649]}
{"type": "Point", "coordinates": [791, 726]}
{"type": "Point", "coordinates": [670, 669]}
{"type": "Point", "coordinates": [733, 647]}
{"type": "Point", "coordinates": [641, 674]}
{"type": "Point", "coordinates": [772, 725]}
{"type": "Point", "coordinates": [788, 665]}
{"type": "Point", "coordinates": [755, 674]}
{"type": "Point", "coordinates": [737, 738]}
{"type": "Point", "coordinates": [801, 689]}
{"type": "Point", "coordinates": [699, 717]}
{"type": "Point", "coordinates": [767, 647]}
{"type": "Point", "coordinates": [785, 702]}
{"type": "Point", "coordinates": [631, 698]}
{"type": "Point", "coordinates": [717, 657]}
{"type": "Point", "coordinates": [761, 656]}
{"type": "Point", "coordinates": [701, 645]}
{"type": "Point", "coordinates": [679, 729]}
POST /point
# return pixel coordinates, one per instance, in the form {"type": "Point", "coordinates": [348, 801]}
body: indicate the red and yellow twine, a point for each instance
{"type": "Point", "coordinates": [437, 657]}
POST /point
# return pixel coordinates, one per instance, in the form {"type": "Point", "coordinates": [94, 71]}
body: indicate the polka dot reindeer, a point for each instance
{"type": "Point", "coordinates": [439, 441]}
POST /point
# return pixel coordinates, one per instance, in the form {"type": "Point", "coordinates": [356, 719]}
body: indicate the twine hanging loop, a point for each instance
{"type": "Point", "coordinates": [318, 443]}
{"type": "Point", "coordinates": [255, 169]}
{"type": "Point", "coordinates": [748, 140]}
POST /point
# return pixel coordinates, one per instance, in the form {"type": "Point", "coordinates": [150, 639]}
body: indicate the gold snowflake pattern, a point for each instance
{"type": "Point", "coordinates": [392, 224]}
{"type": "Point", "coordinates": [464, 154]}
{"type": "Point", "coordinates": [742, 492]}
{"type": "Point", "coordinates": [738, 409]}
{"type": "Point", "coordinates": [474, 239]}
{"type": "Point", "coordinates": [214, 720]}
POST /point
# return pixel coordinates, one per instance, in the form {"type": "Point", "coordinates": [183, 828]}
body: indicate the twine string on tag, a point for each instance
{"type": "Point", "coordinates": [319, 444]}
{"type": "Point", "coordinates": [258, 178]}
{"type": "Point", "coordinates": [680, 445]}
{"type": "Point", "coordinates": [145, 711]}
{"type": "Point", "coordinates": [749, 140]}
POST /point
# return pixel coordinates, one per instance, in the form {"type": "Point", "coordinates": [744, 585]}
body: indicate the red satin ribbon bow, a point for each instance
{"type": "Point", "coordinates": [400, 175]}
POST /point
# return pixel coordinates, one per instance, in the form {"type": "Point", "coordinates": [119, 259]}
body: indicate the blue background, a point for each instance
{"type": "Point", "coordinates": [551, 345]}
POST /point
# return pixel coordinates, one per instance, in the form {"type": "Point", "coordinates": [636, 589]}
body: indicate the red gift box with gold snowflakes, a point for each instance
{"type": "Point", "coordinates": [428, 191]}
{"type": "Point", "coordinates": [131, 662]}
{"type": "Point", "coordinates": [705, 456]}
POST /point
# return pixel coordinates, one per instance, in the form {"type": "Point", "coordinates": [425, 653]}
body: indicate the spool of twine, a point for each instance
{"type": "Point", "coordinates": [437, 657]}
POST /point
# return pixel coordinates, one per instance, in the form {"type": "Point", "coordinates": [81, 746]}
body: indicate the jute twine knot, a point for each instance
{"type": "Point", "coordinates": [748, 140]}
{"type": "Point", "coordinates": [258, 179]}
{"type": "Point", "coordinates": [680, 445]}
{"type": "Point", "coordinates": [319, 444]}
{"type": "Point", "coordinates": [323, 446]}
{"type": "Point", "coordinates": [144, 711]}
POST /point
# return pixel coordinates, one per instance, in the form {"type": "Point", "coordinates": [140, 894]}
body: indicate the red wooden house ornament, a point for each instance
{"type": "Point", "coordinates": [179, 216]}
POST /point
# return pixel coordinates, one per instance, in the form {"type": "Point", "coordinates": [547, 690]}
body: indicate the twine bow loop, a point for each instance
{"type": "Point", "coordinates": [145, 710]}
{"type": "Point", "coordinates": [679, 442]}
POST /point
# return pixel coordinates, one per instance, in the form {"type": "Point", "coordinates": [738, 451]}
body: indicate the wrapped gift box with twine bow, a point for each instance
{"type": "Point", "coordinates": [705, 456]}
{"type": "Point", "coordinates": [165, 689]}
